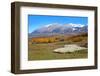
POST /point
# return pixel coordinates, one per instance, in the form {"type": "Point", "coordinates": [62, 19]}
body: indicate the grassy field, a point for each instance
{"type": "Point", "coordinates": [43, 50]}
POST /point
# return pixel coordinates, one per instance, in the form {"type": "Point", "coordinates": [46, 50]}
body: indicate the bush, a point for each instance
{"type": "Point", "coordinates": [44, 40]}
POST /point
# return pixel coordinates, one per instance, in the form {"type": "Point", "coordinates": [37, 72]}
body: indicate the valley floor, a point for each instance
{"type": "Point", "coordinates": [44, 48]}
{"type": "Point", "coordinates": [45, 52]}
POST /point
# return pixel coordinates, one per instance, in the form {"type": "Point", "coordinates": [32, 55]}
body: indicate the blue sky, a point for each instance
{"type": "Point", "coordinates": [37, 21]}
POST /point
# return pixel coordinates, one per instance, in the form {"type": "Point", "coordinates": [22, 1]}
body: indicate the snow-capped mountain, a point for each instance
{"type": "Point", "coordinates": [56, 28]}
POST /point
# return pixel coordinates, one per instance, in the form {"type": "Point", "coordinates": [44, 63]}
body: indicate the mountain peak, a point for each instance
{"type": "Point", "coordinates": [53, 24]}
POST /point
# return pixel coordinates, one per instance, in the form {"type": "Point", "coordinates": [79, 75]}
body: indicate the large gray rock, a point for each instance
{"type": "Point", "coordinates": [69, 48]}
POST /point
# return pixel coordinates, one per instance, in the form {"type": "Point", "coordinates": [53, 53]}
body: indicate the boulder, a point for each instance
{"type": "Point", "coordinates": [69, 48]}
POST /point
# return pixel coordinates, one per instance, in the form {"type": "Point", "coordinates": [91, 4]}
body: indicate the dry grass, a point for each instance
{"type": "Point", "coordinates": [42, 48]}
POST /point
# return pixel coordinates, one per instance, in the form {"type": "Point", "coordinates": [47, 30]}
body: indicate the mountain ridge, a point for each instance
{"type": "Point", "coordinates": [56, 29]}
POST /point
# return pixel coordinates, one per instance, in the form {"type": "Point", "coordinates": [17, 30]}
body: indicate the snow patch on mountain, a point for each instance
{"type": "Point", "coordinates": [76, 25]}
{"type": "Point", "coordinates": [53, 24]}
